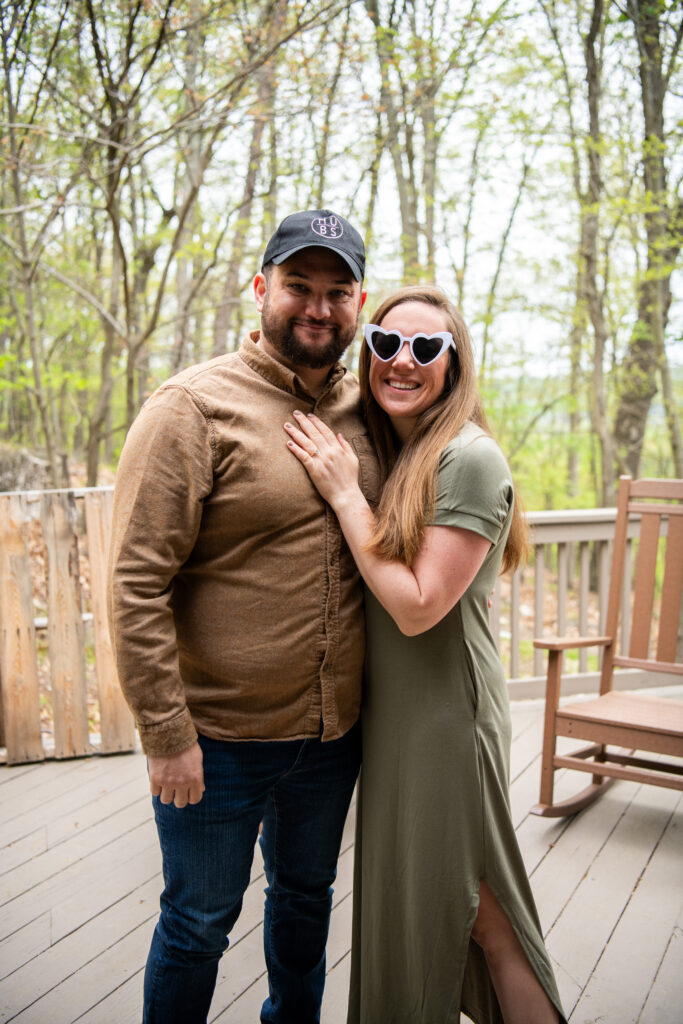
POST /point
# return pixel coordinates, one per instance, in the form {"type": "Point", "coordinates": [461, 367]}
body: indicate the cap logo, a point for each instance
{"type": "Point", "coordinates": [328, 227]}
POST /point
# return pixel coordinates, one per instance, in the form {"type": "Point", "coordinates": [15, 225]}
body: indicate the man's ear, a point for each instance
{"type": "Point", "coordinates": [260, 286]}
{"type": "Point", "coordinates": [363, 297]}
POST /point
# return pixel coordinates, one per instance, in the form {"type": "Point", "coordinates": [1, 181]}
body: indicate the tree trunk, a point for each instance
{"type": "Point", "coordinates": [26, 268]}
{"type": "Point", "coordinates": [399, 150]}
{"type": "Point", "coordinates": [327, 128]}
{"type": "Point", "coordinates": [189, 144]}
{"type": "Point", "coordinates": [39, 392]}
{"type": "Point", "coordinates": [589, 254]}
{"type": "Point", "coordinates": [491, 298]}
{"type": "Point", "coordinates": [646, 357]}
{"type": "Point", "coordinates": [101, 413]}
{"type": "Point", "coordinates": [227, 313]}
{"type": "Point", "coordinates": [431, 146]}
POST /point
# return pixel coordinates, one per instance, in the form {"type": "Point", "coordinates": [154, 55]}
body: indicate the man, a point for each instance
{"type": "Point", "coordinates": [236, 616]}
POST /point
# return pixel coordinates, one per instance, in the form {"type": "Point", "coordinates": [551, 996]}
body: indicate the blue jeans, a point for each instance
{"type": "Point", "coordinates": [300, 790]}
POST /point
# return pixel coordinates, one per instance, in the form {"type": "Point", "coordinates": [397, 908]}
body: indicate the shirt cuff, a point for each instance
{"type": "Point", "coordinates": [172, 737]}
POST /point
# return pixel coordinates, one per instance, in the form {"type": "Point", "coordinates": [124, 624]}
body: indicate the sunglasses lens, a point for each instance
{"type": "Point", "coordinates": [385, 345]}
{"type": "Point", "coordinates": [426, 349]}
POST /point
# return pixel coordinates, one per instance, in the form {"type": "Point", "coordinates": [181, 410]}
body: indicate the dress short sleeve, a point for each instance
{"type": "Point", "coordinates": [474, 486]}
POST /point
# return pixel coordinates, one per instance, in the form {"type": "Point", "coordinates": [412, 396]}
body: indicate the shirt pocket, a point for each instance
{"type": "Point", "coordinates": [368, 473]}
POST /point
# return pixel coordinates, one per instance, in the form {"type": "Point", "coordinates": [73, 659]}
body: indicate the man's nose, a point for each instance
{"type": "Point", "coordinates": [318, 306]}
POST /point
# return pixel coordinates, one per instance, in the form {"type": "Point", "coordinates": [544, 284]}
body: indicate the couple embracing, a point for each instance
{"type": "Point", "coordinates": [295, 556]}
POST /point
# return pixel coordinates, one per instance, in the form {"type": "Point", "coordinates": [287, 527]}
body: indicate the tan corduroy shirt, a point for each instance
{"type": "Point", "coordinates": [235, 605]}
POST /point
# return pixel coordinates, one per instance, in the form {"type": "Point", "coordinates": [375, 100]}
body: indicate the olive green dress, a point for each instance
{"type": "Point", "coordinates": [434, 814]}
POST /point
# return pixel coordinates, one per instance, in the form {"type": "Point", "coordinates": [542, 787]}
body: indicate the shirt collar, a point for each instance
{"type": "Point", "coordinates": [279, 374]}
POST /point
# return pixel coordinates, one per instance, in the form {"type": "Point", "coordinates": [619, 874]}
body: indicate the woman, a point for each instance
{"type": "Point", "coordinates": [444, 918]}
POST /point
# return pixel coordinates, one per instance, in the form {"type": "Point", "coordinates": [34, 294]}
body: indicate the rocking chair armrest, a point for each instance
{"type": "Point", "coordinates": [565, 643]}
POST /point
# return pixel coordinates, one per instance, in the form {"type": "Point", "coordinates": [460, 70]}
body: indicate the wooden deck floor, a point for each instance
{"type": "Point", "coordinates": [80, 882]}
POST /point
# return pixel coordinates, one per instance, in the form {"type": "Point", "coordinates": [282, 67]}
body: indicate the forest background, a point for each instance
{"type": "Point", "coordinates": [527, 155]}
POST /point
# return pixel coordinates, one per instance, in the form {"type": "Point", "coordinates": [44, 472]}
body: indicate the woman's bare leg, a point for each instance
{"type": "Point", "coordinates": [522, 998]}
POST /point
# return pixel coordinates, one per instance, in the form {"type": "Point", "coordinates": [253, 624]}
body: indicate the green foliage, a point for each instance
{"type": "Point", "coordinates": [448, 134]}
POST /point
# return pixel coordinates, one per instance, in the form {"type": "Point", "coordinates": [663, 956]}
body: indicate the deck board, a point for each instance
{"type": "Point", "coordinates": [667, 990]}
{"type": "Point", "coordinates": [586, 926]}
{"type": "Point", "coordinates": [80, 881]}
{"type": "Point", "coordinates": [625, 970]}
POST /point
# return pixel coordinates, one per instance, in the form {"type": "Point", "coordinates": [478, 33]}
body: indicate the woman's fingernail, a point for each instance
{"type": "Point", "coordinates": [288, 425]}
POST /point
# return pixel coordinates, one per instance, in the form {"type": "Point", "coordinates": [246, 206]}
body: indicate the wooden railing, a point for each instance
{"type": "Point", "coordinates": [60, 695]}
{"type": "Point", "coordinates": [563, 591]}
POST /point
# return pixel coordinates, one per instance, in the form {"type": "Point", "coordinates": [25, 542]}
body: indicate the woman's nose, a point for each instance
{"type": "Point", "coordinates": [404, 357]}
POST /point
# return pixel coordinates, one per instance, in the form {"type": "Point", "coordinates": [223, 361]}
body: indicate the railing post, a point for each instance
{"type": "Point", "coordinates": [603, 588]}
{"type": "Point", "coordinates": [584, 592]}
{"type": "Point", "coordinates": [18, 667]}
{"type": "Point", "coordinates": [562, 586]}
{"type": "Point", "coordinates": [539, 572]}
{"type": "Point", "coordinates": [65, 627]}
{"type": "Point", "coordinates": [117, 728]}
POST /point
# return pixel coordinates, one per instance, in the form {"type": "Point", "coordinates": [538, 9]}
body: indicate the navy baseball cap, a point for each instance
{"type": "Point", "coordinates": [320, 228]}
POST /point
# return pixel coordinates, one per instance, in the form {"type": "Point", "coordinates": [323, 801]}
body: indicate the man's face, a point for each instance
{"type": "Point", "coordinates": [309, 308]}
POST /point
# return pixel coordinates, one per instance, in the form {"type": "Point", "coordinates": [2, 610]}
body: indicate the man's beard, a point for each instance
{"type": "Point", "coordinates": [280, 333]}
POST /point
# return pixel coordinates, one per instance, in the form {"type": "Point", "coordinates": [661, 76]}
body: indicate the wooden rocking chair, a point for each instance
{"type": "Point", "coordinates": [626, 720]}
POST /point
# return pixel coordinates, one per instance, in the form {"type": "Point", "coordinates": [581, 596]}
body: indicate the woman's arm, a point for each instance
{"type": "Point", "coordinates": [417, 596]}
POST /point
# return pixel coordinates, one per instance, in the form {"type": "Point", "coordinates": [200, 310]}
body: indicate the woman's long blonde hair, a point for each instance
{"type": "Point", "coordinates": [410, 471]}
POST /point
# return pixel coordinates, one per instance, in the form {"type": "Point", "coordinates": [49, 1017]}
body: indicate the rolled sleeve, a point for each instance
{"type": "Point", "coordinates": [474, 487]}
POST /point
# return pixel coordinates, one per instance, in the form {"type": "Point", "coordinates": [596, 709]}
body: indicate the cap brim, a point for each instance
{"type": "Point", "coordinates": [349, 260]}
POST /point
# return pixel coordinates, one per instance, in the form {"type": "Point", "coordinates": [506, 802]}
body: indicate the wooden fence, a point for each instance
{"type": "Point", "coordinates": [75, 525]}
{"type": "Point", "coordinates": [54, 640]}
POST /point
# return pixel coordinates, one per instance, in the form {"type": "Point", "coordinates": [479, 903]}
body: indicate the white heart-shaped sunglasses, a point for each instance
{"type": "Point", "coordinates": [424, 348]}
